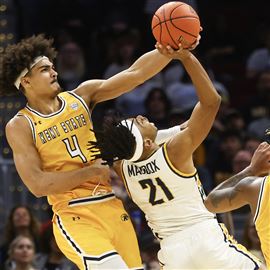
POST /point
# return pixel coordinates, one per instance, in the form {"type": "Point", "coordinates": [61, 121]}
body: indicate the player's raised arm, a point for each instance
{"type": "Point", "coordinates": [203, 114]}
{"type": "Point", "coordinates": [29, 164]}
{"type": "Point", "coordinates": [148, 65]}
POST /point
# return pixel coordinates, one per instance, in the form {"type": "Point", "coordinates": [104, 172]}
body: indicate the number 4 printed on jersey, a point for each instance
{"type": "Point", "coordinates": [74, 149]}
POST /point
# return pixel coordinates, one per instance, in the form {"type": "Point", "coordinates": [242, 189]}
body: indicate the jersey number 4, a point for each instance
{"type": "Point", "coordinates": [74, 149]}
{"type": "Point", "coordinates": [149, 183]}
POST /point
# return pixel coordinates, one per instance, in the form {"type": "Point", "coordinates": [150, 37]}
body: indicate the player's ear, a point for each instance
{"type": "Point", "coordinates": [25, 81]}
{"type": "Point", "coordinates": [147, 143]}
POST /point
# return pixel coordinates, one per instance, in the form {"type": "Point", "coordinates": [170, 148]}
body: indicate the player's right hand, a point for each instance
{"type": "Point", "coordinates": [260, 162]}
{"type": "Point", "coordinates": [100, 171]}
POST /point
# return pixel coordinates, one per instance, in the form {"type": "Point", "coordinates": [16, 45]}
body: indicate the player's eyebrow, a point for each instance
{"type": "Point", "coordinates": [43, 66]}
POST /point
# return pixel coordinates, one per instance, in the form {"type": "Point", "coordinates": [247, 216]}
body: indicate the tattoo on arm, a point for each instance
{"type": "Point", "coordinates": [228, 190]}
{"type": "Point", "coordinates": [232, 181]}
{"type": "Point", "coordinates": [216, 199]}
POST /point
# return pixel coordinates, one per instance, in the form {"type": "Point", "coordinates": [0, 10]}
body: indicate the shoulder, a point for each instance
{"type": "Point", "coordinates": [17, 126]}
{"type": "Point", "coordinates": [17, 122]}
{"type": "Point", "coordinates": [88, 90]}
{"type": "Point", "coordinates": [89, 86]}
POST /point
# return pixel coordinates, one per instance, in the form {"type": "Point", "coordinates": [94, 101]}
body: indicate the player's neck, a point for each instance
{"type": "Point", "coordinates": [149, 152]}
{"type": "Point", "coordinates": [45, 105]}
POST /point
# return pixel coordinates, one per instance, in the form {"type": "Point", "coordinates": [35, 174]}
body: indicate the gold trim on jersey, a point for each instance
{"type": "Point", "coordinates": [176, 171]}
{"type": "Point", "coordinates": [81, 100]}
{"type": "Point", "coordinates": [84, 256]}
{"type": "Point", "coordinates": [259, 200]}
{"type": "Point", "coordinates": [63, 106]}
{"type": "Point", "coordinates": [238, 247]}
{"type": "Point", "coordinates": [124, 178]}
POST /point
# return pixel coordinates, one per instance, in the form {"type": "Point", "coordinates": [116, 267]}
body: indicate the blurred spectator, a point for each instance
{"type": "Point", "coordinates": [71, 66]}
{"type": "Point", "coordinates": [251, 143]}
{"type": "Point", "coordinates": [20, 222]}
{"type": "Point", "coordinates": [51, 257]}
{"type": "Point", "coordinates": [258, 105]}
{"type": "Point", "coordinates": [250, 238]}
{"type": "Point", "coordinates": [132, 103]}
{"type": "Point", "coordinates": [21, 254]}
{"type": "Point", "coordinates": [172, 73]}
{"type": "Point", "coordinates": [220, 155]}
{"type": "Point", "coordinates": [258, 127]}
{"type": "Point", "coordinates": [235, 121]}
{"type": "Point", "coordinates": [182, 94]}
{"type": "Point", "coordinates": [259, 59]}
{"type": "Point", "coordinates": [241, 160]}
{"type": "Point", "coordinates": [157, 108]}
{"type": "Point", "coordinates": [122, 52]}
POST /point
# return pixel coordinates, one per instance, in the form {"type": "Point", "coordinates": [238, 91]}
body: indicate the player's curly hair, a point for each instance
{"type": "Point", "coordinates": [114, 142]}
{"type": "Point", "coordinates": [17, 57]}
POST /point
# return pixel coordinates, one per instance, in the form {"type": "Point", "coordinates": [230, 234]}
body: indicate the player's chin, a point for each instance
{"type": "Point", "coordinates": [56, 87]}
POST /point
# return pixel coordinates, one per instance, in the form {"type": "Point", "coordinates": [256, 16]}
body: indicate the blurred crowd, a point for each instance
{"type": "Point", "coordinates": [97, 39]}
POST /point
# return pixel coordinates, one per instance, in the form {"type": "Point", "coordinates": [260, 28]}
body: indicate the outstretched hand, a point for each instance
{"type": "Point", "coordinates": [260, 162]}
{"type": "Point", "coordinates": [183, 51]}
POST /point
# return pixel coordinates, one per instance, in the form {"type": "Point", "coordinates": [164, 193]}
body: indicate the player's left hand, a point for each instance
{"type": "Point", "coordinates": [168, 51]}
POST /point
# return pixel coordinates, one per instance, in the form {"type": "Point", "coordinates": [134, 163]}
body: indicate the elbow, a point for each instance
{"type": "Point", "coordinates": [209, 205]}
{"type": "Point", "coordinates": [218, 100]}
{"type": "Point", "coordinates": [36, 187]}
{"type": "Point", "coordinates": [37, 192]}
{"type": "Point", "coordinates": [214, 103]}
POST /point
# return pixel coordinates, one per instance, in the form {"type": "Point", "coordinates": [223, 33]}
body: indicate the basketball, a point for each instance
{"type": "Point", "coordinates": [173, 20]}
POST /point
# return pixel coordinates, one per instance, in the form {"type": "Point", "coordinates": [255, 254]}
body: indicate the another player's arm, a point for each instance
{"type": "Point", "coordinates": [230, 195]}
{"type": "Point", "coordinates": [148, 65]}
{"type": "Point", "coordinates": [29, 164]}
{"type": "Point", "coordinates": [241, 188]}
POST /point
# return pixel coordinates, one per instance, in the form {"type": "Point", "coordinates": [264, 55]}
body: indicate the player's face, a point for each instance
{"type": "Point", "coordinates": [43, 78]}
{"type": "Point", "coordinates": [147, 129]}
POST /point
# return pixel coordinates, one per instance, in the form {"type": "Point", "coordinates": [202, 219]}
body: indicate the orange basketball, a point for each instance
{"type": "Point", "coordinates": [173, 20]}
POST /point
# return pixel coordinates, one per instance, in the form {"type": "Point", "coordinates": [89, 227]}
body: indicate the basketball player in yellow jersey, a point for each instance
{"type": "Point", "coordinates": [49, 140]}
{"type": "Point", "coordinates": [247, 187]}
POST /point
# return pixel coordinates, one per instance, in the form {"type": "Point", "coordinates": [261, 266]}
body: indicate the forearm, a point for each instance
{"type": "Point", "coordinates": [47, 183]}
{"type": "Point", "coordinates": [149, 64]}
{"type": "Point", "coordinates": [234, 180]}
{"type": "Point", "coordinates": [206, 92]}
{"type": "Point", "coordinates": [230, 194]}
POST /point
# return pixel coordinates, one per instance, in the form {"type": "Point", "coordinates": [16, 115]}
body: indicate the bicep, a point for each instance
{"type": "Point", "coordinates": [226, 199]}
{"type": "Point", "coordinates": [26, 158]}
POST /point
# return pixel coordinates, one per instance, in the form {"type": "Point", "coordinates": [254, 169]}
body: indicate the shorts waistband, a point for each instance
{"type": "Point", "coordinates": [91, 199]}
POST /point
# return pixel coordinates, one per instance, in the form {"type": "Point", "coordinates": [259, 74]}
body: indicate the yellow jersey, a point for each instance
{"type": "Point", "coordinates": [262, 219]}
{"type": "Point", "coordinates": [61, 140]}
